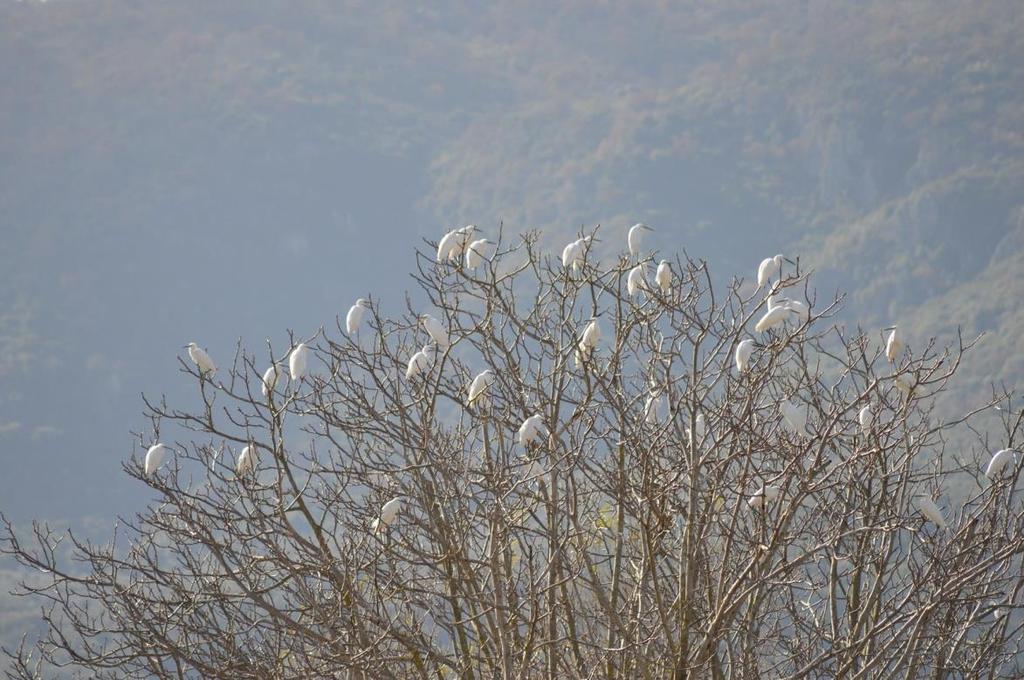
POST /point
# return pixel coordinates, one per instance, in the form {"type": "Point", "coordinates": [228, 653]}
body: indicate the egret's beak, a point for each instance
{"type": "Point", "coordinates": [648, 228]}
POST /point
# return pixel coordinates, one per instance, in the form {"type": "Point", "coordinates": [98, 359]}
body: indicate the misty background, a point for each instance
{"type": "Point", "coordinates": [225, 172]}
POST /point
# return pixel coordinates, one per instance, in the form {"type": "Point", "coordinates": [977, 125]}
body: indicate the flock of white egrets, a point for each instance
{"type": "Point", "coordinates": [459, 243]}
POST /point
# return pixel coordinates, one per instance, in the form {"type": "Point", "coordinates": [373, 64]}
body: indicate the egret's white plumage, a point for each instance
{"type": "Point", "coordinates": [999, 461]}
{"type": "Point", "coordinates": [636, 281]}
{"type": "Point", "coordinates": [435, 330]}
{"type": "Point", "coordinates": [663, 277]}
{"type": "Point", "coordinates": [532, 430]}
{"type": "Point", "coordinates": [572, 255]}
{"type": "Point", "coordinates": [866, 418]}
{"type": "Point", "coordinates": [420, 361]}
{"type": "Point", "coordinates": [201, 359]}
{"type": "Point", "coordinates": [270, 378]}
{"type": "Point", "coordinates": [766, 494]}
{"type": "Point", "coordinates": [893, 346]}
{"type": "Point", "coordinates": [297, 361]}
{"type": "Point", "coordinates": [769, 267]}
{"type": "Point", "coordinates": [635, 238]}
{"type": "Point", "coordinates": [475, 253]}
{"type": "Point", "coordinates": [773, 318]}
{"type": "Point", "coordinates": [388, 515]}
{"type": "Point", "coordinates": [775, 301]}
{"type": "Point", "coordinates": [154, 457]}
{"type": "Point", "coordinates": [246, 460]}
{"type": "Point", "coordinates": [479, 385]}
{"type": "Point", "coordinates": [795, 417]}
{"type": "Point", "coordinates": [743, 352]}
{"type": "Point", "coordinates": [930, 511]}
{"type": "Point", "coordinates": [447, 244]}
{"type": "Point", "coordinates": [798, 309]}
{"type": "Point", "coordinates": [588, 341]}
{"type": "Point", "coordinates": [355, 316]}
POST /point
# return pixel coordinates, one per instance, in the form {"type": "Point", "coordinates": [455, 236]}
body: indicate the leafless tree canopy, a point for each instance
{"type": "Point", "coordinates": [668, 520]}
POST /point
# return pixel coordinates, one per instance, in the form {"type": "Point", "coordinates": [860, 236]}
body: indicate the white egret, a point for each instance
{"type": "Point", "coordinates": [663, 277]}
{"type": "Point", "coordinates": [931, 512]}
{"type": "Point", "coordinates": [247, 460]}
{"type": "Point", "coordinates": [775, 301]}
{"type": "Point", "coordinates": [766, 494]}
{"type": "Point", "coordinates": [999, 461]}
{"type": "Point", "coordinates": [572, 255]}
{"type": "Point", "coordinates": [454, 243]}
{"type": "Point", "coordinates": [297, 361]}
{"type": "Point", "coordinates": [588, 341]}
{"type": "Point", "coordinates": [420, 361]}
{"type": "Point", "coordinates": [355, 316]}
{"type": "Point", "coordinates": [479, 385]}
{"type": "Point", "coordinates": [201, 359]}
{"type": "Point", "coordinates": [388, 515]}
{"type": "Point", "coordinates": [435, 330]}
{"type": "Point", "coordinates": [652, 409]}
{"type": "Point", "coordinates": [154, 457]}
{"type": "Point", "coordinates": [799, 309]}
{"type": "Point", "coordinates": [795, 417]}
{"type": "Point", "coordinates": [769, 267]}
{"type": "Point", "coordinates": [635, 238]}
{"type": "Point", "coordinates": [743, 352]}
{"type": "Point", "coordinates": [475, 253]}
{"type": "Point", "coordinates": [636, 281]}
{"type": "Point", "coordinates": [532, 430]}
{"type": "Point", "coordinates": [893, 346]}
{"type": "Point", "coordinates": [270, 378]}
{"type": "Point", "coordinates": [866, 418]}
{"type": "Point", "coordinates": [773, 318]}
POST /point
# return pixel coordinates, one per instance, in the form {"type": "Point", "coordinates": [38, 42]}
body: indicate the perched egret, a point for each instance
{"type": "Point", "coordinates": [663, 277]}
{"type": "Point", "coordinates": [635, 238]}
{"type": "Point", "coordinates": [154, 457]}
{"type": "Point", "coordinates": [475, 253]}
{"type": "Point", "coordinates": [532, 430]}
{"type": "Point", "coordinates": [588, 341]}
{"type": "Point", "coordinates": [766, 494]}
{"type": "Point", "coordinates": [652, 409]}
{"type": "Point", "coordinates": [572, 255]}
{"type": "Point", "coordinates": [795, 417]}
{"type": "Point", "coordinates": [270, 378]}
{"type": "Point", "coordinates": [420, 361]}
{"type": "Point", "coordinates": [773, 318]}
{"type": "Point", "coordinates": [927, 507]}
{"type": "Point", "coordinates": [798, 309]}
{"type": "Point", "coordinates": [743, 352]}
{"type": "Point", "coordinates": [999, 461]}
{"type": "Point", "coordinates": [388, 515]}
{"type": "Point", "coordinates": [435, 330]}
{"type": "Point", "coordinates": [479, 385]}
{"type": "Point", "coordinates": [769, 267]}
{"type": "Point", "coordinates": [866, 418]}
{"type": "Point", "coordinates": [635, 281]}
{"type": "Point", "coordinates": [201, 359]}
{"type": "Point", "coordinates": [297, 361]}
{"type": "Point", "coordinates": [775, 301]}
{"type": "Point", "coordinates": [893, 346]}
{"type": "Point", "coordinates": [454, 243]}
{"type": "Point", "coordinates": [355, 316]}
{"type": "Point", "coordinates": [247, 460]}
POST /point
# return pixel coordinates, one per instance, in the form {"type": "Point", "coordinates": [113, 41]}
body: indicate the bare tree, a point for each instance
{"type": "Point", "coordinates": [666, 514]}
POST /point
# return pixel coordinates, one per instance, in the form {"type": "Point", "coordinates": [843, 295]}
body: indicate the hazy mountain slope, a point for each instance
{"type": "Point", "coordinates": [191, 171]}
